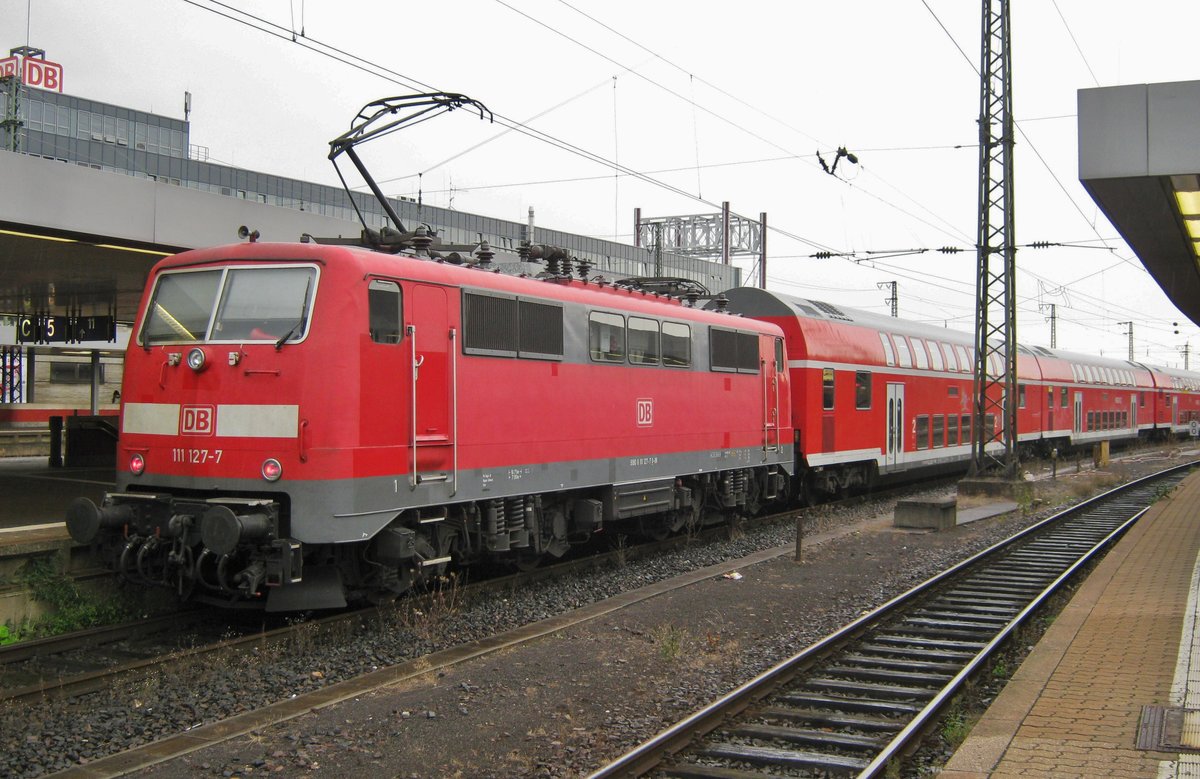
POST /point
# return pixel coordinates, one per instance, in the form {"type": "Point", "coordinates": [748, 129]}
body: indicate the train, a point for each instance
{"type": "Point", "coordinates": [306, 425]}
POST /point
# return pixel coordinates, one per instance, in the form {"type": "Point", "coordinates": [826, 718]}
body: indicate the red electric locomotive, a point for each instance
{"type": "Point", "coordinates": [305, 423]}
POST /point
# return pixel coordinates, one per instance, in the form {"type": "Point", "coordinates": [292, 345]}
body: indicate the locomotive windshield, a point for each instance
{"type": "Point", "coordinates": [231, 304]}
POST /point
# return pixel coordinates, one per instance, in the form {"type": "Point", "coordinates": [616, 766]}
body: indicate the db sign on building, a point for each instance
{"type": "Point", "coordinates": [33, 71]}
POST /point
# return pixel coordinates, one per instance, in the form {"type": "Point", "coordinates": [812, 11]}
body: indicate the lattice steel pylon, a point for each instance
{"type": "Point", "coordinates": [995, 383]}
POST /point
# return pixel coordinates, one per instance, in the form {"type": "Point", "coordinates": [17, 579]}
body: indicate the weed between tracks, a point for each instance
{"type": "Point", "coordinates": [71, 607]}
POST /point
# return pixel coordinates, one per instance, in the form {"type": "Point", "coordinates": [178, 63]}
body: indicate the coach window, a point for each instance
{"type": "Point", "coordinates": [964, 359]}
{"type": "Point", "coordinates": [966, 428]}
{"type": "Point", "coordinates": [922, 429]}
{"type": "Point", "coordinates": [1141, 399]}
{"type": "Point", "coordinates": [606, 337]}
{"type": "Point", "coordinates": [643, 341]}
{"type": "Point", "coordinates": [989, 427]}
{"type": "Point", "coordinates": [889, 354]}
{"type": "Point", "coordinates": [827, 388]}
{"type": "Point", "coordinates": [918, 347]}
{"type": "Point", "coordinates": [935, 356]}
{"type": "Point", "coordinates": [939, 431]}
{"type": "Point", "coordinates": [676, 344]}
{"type": "Point", "coordinates": [862, 389]}
{"type": "Point", "coordinates": [383, 303]}
{"type": "Point", "coordinates": [1020, 396]}
{"type": "Point", "coordinates": [1063, 397]}
{"type": "Point", "coordinates": [904, 356]}
{"type": "Point", "coordinates": [952, 430]}
{"type": "Point", "coordinates": [951, 361]}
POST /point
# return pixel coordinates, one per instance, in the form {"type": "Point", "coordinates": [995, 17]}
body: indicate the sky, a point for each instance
{"type": "Point", "coordinates": [710, 102]}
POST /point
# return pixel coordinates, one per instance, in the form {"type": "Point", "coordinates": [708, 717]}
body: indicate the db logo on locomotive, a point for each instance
{"type": "Point", "coordinates": [197, 420]}
{"type": "Point", "coordinates": [645, 412]}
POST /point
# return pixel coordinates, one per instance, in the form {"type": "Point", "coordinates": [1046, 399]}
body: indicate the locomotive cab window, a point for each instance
{"type": "Point", "coordinates": [383, 304]}
{"type": "Point", "coordinates": [606, 337]}
{"type": "Point", "coordinates": [238, 304]}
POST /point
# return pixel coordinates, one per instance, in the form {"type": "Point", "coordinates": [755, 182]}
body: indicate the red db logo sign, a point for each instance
{"type": "Point", "coordinates": [645, 412]}
{"type": "Point", "coordinates": [197, 420]}
{"type": "Point", "coordinates": [43, 74]}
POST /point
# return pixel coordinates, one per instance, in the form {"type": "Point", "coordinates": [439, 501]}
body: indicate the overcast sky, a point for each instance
{"type": "Point", "coordinates": [717, 101]}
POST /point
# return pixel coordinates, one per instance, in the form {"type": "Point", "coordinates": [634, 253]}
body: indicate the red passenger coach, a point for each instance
{"type": "Point", "coordinates": [314, 423]}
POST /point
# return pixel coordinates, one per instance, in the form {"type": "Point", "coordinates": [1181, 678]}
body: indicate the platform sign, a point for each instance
{"type": "Point", "coordinates": [65, 329]}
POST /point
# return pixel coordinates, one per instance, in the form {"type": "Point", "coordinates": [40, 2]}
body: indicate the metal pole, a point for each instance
{"type": "Point", "coordinates": [762, 258]}
{"type": "Point", "coordinates": [725, 232]}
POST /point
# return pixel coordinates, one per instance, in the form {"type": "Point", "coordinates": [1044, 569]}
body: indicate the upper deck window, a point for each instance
{"type": "Point", "coordinates": [231, 305]}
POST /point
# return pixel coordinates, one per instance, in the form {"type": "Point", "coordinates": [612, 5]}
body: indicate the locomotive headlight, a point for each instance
{"type": "Point", "coordinates": [271, 469]}
{"type": "Point", "coordinates": [137, 464]}
{"type": "Point", "coordinates": [197, 360]}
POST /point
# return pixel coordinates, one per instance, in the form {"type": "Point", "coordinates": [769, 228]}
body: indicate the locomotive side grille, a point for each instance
{"type": "Point", "coordinates": [489, 324]}
{"type": "Point", "coordinates": [541, 329]}
{"type": "Point", "coordinates": [732, 351]}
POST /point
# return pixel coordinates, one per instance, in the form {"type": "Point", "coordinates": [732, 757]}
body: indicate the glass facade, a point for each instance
{"type": "Point", "coordinates": [106, 137]}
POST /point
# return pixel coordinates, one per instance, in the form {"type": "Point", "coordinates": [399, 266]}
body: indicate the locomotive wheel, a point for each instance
{"type": "Point", "coordinates": [527, 561]}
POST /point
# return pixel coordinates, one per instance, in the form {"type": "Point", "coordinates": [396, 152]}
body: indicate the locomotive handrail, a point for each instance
{"type": "Point", "coordinates": [453, 413]}
{"type": "Point", "coordinates": [411, 330]}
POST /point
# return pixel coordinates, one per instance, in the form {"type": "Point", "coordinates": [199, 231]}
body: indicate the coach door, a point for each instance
{"type": "Point", "coordinates": [434, 377]}
{"type": "Point", "coordinates": [1078, 427]}
{"type": "Point", "coordinates": [1133, 421]}
{"type": "Point", "coordinates": [895, 425]}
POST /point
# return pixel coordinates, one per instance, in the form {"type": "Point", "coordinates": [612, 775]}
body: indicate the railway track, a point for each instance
{"type": "Point", "coordinates": [857, 701]}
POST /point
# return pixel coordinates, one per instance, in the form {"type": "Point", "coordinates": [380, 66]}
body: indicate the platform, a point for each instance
{"type": "Point", "coordinates": [33, 493]}
{"type": "Point", "coordinates": [1126, 641]}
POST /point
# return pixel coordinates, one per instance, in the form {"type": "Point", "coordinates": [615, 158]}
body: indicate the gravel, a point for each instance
{"type": "Point", "coordinates": [594, 692]}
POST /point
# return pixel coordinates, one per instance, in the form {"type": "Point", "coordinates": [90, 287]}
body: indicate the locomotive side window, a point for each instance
{"type": "Point", "coordinates": [606, 337]}
{"type": "Point", "coordinates": [676, 344]}
{"type": "Point", "coordinates": [643, 341]}
{"type": "Point", "coordinates": [383, 304]}
{"type": "Point", "coordinates": [827, 393]}
{"type": "Point", "coordinates": [862, 389]}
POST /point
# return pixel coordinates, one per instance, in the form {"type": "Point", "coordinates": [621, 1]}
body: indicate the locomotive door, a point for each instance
{"type": "Point", "coordinates": [434, 392]}
{"type": "Point", "coordinates": [894, 438]}
{"type": "Point", "coordinates": [772, 365]}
